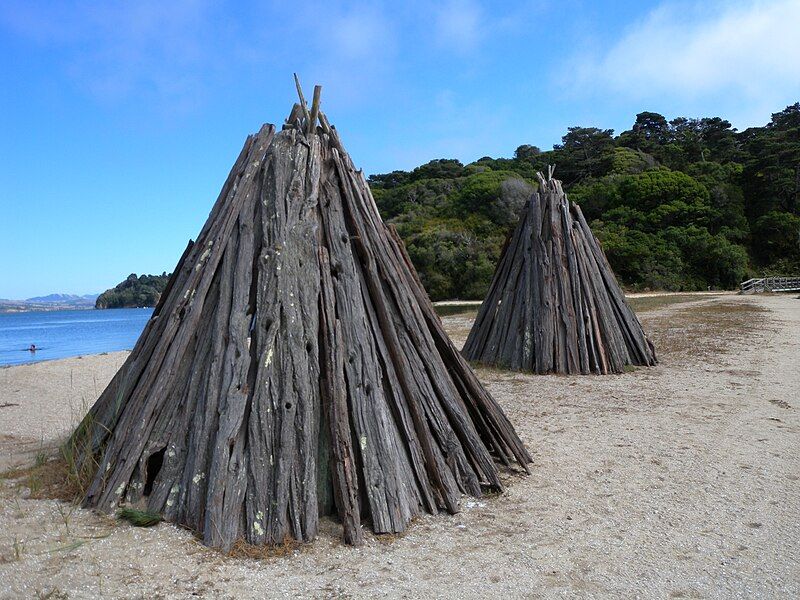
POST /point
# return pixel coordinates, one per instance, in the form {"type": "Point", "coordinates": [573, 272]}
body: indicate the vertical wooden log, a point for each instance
{"type": "Point", "coordinates": [334, 386]}
{"type": "Point", "coordinates": [312, 121]}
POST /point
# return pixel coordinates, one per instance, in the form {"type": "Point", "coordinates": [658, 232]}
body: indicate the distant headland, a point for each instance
{"type": "Point", "coordinates": [134, 292]}
{"type": "Point", "coordinates": [49, 303]}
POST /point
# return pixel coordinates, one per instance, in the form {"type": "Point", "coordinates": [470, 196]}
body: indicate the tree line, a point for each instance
{"type": "Point", "coordinates": [684, 204]}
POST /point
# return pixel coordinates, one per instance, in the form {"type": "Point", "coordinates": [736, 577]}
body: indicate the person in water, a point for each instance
{"type": "Point", "coordinates": [32, 348]}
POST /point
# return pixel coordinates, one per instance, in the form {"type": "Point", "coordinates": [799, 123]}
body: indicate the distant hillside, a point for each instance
{"type": "Point", "coordinates": [49, 303]}
{"type": "Point", "coordinates": [87, 299]}
{"type": "Point", "coordinates": [134, 292]}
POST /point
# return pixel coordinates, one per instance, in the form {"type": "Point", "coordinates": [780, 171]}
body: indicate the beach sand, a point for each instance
{"type": "Point", "coordinates": [42, 402]}
{"type": "Point", "coordinates": [678, 481]}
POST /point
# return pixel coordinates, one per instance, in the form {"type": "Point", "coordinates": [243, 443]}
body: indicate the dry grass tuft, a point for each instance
{"type": "Point", "coordinates": [48, 480]}
{"type": "Point", "coordinates": [241, 549]}
{"type": "Point", "coordinates": [60, 474]}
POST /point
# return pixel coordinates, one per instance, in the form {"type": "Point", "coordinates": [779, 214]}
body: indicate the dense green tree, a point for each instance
{"type": "Point", "coordinates": [686, 144]}
{"type": "Point", "coordinates": [525, 168]}
{"type": "Point", "coordinates": [778, 235]}
{"type": "Point", "coordinates": [415, 196]}
{"type": "Point", "coordinates": [682, 141]}
{"type": "Point", "coordinates": [710, 260]}
{"type": "Point", "coordinates": [771, 176]}
{"type": "Point", "coordinates": [527, 152]}
{"type": "Point", "coordinates": [452, 261]}
{"type": "Point", "coordinates": [584, 152]}
{"type": "Point", "coordinates": [648, 134]}
{"type": "Point", "coordinates": [629, 162]}
{"type": "Point", "coordinates": [443, 168]}
{"type": "Point", "coordinates": [719, 141]}
{"type": "Point", "coordinates": [639, 259]}
{"type": "Point", "coordinates": [454, 225]}
{"type": "Point", "coordinates": [726, 196]}
{"type": "Point", "coordinates": [680, 204]}
{"type": "Point", "coordinates": [496, 195]}
{"type": "Point", "coordinates": [665, 198]}
{"type": "Point", "coordinates": [597, 197]}
{"type": "Point", "coordinates": [134, 292]}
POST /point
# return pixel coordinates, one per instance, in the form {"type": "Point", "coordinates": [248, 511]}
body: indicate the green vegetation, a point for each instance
{"type": "Point", "coordinates": [453, 220]}
{"type": "Point", "coordinates": [684, 204]}
{"type": "Point", "coordinates": [139, 518]}
{"type": "Point", "coordinates": [134, 292]}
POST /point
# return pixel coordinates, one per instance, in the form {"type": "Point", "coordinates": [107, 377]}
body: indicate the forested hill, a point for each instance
{"type": "Point", "coordinates": [134, 292]}
{"type": "Point", "coordinates": [678, 205]}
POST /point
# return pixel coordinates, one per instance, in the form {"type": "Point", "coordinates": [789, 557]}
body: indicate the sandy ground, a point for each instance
{"type": "Point", "coordinates": [43, 401]}
{"type": "Point", "coordinates": [679, 481]}
{"type": "Point", "coordinates": [627, 295]}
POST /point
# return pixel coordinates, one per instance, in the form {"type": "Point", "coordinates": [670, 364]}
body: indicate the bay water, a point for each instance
{"type": "Point", "coordinates": [65, 333]}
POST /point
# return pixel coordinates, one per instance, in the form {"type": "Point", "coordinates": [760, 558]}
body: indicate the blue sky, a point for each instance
{"type": "Point", "coordinates": [119, 120]}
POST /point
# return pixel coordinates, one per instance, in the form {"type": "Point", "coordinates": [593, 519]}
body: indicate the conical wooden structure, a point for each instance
{"type": "Point", "coordinates": [294, 367]}
{"type": "Point", "coordinates": [554, 305]}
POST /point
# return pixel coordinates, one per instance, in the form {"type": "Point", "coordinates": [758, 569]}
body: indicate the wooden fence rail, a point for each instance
{"type": "Point", "coordinates": [771, 284]}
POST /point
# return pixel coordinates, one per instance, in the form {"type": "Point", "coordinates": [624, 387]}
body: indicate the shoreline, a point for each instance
{"type": "Point", "coordinates": [70, 309]}
{"type": "Point", "coordinates": [53, 360]}
{"type": "Point", "coordinates": [439, 303]}
{"type": "Point", "coordinates": [627, 295]}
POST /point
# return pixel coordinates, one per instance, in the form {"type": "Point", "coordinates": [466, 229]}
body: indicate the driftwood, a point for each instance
{"type": "Point", "coordinates": [294, 367]}
{"type": "Point", "coordinates": [554, 305]}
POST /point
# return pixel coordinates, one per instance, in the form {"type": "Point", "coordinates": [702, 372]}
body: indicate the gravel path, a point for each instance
{"type": "Point", "coordinates": [679, 481]}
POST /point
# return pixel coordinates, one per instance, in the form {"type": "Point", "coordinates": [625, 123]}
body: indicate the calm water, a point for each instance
{"type": "Point", "coordinates": [64, 333]}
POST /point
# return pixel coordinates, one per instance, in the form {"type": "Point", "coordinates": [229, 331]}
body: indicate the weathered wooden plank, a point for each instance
{"type": "Point", "coordinates": [334, 394]}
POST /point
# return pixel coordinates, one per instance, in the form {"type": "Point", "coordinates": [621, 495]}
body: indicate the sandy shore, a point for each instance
{"type": "Point", "coordinates": [42, 402]}
{"type": "Point", "coordinates": [679, 481]}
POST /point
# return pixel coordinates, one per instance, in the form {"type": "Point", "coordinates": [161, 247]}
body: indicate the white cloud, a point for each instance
{"type": "Point", "coordinates": [353, 55]}
{"type": "Point", "coordinates": [744, 50]}
{"type": "Point", "coordinates": [360, 35]}
{"type": "Point", "coordinates": [153, 50]}
{"type": "Point", "coordinates": [458, 25]}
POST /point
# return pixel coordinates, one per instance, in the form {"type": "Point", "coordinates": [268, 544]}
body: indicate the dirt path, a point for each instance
{"type": "Point", "coordinates": [678, 481]}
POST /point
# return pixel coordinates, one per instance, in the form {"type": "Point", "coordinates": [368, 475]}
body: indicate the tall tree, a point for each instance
{"type": "Point", "coordinates": [771, 177]}
{"type": "Point", "coordinates": [584, 152]}
{"type": "Point", "coordinates": [649, 132]}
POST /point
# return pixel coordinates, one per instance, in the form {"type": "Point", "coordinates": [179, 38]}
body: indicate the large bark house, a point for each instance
{"type": "Point", "coordinates": [294, 367]}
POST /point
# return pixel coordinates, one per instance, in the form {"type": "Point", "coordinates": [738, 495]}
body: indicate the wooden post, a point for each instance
{"type": "Point", "coordinates": [303, 104]}
{"type": "Point", "coordinates": [312, 123]}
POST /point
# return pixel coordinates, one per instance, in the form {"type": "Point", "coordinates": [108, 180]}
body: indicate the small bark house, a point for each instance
{"type": "Point", "coordinates": [554, 305]}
